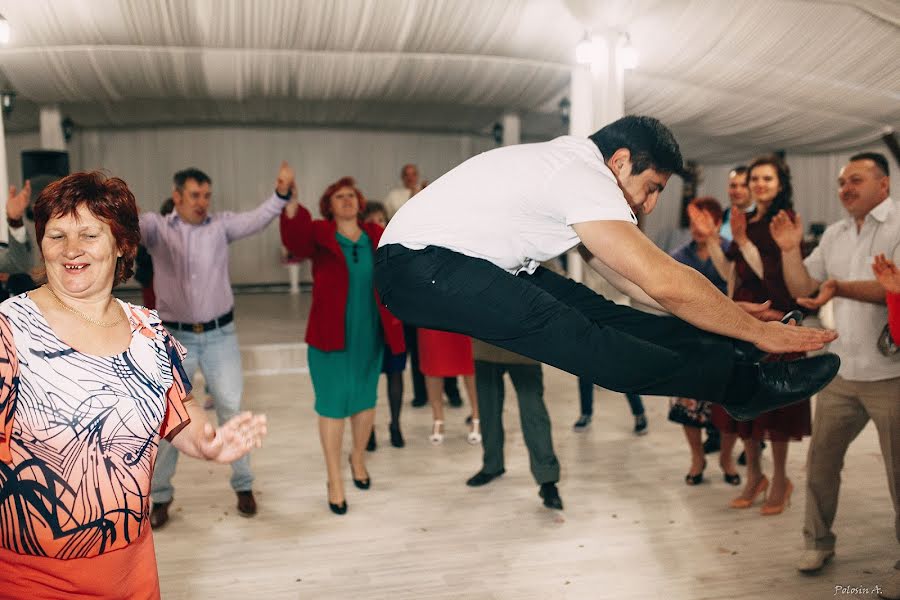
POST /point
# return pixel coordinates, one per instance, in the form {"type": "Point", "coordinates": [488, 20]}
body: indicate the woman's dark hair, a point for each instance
{"type": "Point", "coordinates": [331, 190]}
{"type": "Point", "coordinates": [710, 205]}
{"type": "Point", "coordinates": [107, 198]}
{"type": "Point", "coordinates": [784, 200]}
{"type": "Point", "coordinates": [651, 144]}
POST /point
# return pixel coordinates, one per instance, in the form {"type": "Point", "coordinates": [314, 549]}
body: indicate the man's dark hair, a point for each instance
{"type": "Point", "coordinates": [739, 170]}
{"type": "Point", "coordinates": [190, 173]}
{"type": "Point", "coordinates": [877, 158]}
{"type": "Point", "coordinates": [650, 142]}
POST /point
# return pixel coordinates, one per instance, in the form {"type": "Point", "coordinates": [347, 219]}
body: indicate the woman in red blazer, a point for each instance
{"type": "Point", "coordinates": [889, 277]}
{"type": "Point", "coordinates": [347, 327]}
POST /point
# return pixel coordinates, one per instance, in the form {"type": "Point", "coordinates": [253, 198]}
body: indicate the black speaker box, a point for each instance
{"type": "Point", "coordinates": [43, 167]}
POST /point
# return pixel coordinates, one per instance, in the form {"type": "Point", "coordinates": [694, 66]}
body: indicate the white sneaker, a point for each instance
{"type": "Point", "coordinates": [813, 560]}
{"type": "Point", "coordinates": [890, 588]}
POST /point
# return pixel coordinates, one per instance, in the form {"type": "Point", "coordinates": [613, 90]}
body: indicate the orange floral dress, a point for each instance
{"type": "Point", "coordinates": [78, 439]}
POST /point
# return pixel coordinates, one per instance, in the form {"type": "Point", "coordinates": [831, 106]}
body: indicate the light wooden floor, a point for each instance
{"type": "Point", "coordinates": [631, 528]}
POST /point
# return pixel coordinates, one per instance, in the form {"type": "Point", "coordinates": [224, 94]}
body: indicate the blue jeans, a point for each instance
{"type": "Point", "coordinates": [218, 356]}
{"type": "Point", "coordinates": [586, 395]}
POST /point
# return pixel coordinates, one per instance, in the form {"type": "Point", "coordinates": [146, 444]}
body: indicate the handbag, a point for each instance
{"type": "Point", "coordinates": [886, 344]}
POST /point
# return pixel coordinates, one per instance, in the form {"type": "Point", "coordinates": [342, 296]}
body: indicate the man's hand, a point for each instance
{"type": "Point", "coordinates": [887, 274]}
{"type": "Point", "coordinates": [827, 291]}
{"type": "Point", "coordinates": [763, 311]}
{"type": "Point", "coordinates": [15, 205]}
{"type": "Point", "coordinates": [778, 338]}
{"type": "Point", "coordinates": [235, 438]}
{"type": "Point", "coordinates": [285, 184]}
{"type": "Point", "coordinates": [702, 221]}
{"type": "Point", "coordinates": [787, 232]}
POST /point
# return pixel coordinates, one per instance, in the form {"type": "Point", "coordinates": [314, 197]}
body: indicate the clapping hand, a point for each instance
{"type": "Point", "coordinates": [787, 232]}
{"type": "Point", "coordinates": [887, 274]}
{"type": "Point", "coordinates": [15, 205]}
{"type": "Point", "coordinates": [827, 291]}
{"type": "Point", "coordinates": [739, 226]}
{"type": "Point", "coordinates": [286, 184]}
{"type": "Point", "coordinates": [235, 438]}
{"type": "Point", "coordinates": [702, 221]}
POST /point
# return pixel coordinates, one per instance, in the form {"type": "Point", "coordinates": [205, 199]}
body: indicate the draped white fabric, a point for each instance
{"type": "Point", "coordinates": [731, 78]}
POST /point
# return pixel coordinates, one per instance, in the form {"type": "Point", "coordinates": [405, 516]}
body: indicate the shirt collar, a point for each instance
{"type": "Point", "coordinates": [173, 219]}
{"type": "Point", "coordinates": [881, 212]}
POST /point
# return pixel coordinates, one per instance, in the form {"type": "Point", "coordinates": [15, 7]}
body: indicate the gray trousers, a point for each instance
{"type": "Point", "coordinates": [529, 383]}
{"type": "Point", "coordinates": [842, 410]}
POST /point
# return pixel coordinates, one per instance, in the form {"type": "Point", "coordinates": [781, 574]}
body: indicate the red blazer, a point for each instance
{"type": "Point", "coordinates": [305, 238]}
{"type": "Point", "coordinates": [893, 304]}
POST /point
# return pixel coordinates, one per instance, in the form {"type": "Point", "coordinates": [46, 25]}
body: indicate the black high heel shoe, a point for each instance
{"type": "Point", "coordinates": [732, 479]}
{"type": "Point", "coordinates": [362, 484]}
{"type": "Point", "coordinates": [338, 509]}
{"type": "Point", "coordinates": [695, 479]}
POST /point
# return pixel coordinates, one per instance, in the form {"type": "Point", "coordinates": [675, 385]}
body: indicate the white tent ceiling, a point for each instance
{"type": "Point", "coordinates": [731, 77]}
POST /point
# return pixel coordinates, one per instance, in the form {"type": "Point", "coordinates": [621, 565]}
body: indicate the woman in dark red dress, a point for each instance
{"type": "Point", "coordinates": [769, 180]}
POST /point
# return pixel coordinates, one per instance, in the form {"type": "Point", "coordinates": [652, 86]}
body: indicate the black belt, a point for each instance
{"type": "Point", "coordinates": [201, 327]}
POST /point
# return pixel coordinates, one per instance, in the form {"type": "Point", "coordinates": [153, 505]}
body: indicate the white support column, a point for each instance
{"type": "Point", "coordinates": [512, 129]}
{"type": "Point", "coordinates": [581, 94]}
{"type": "Point", "coordinates": [608, 81]}
{"type": "Point", "coordinates": [51, 128]}
{"type": "Point", "coordinates": [4, 184]}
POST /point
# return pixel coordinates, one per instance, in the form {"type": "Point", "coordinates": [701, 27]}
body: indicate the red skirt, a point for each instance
{"type": "Point", "coordinates": [445, 354]}
{"type": "Point", "coordinates": [126, 574]}
{"type": "Point", "coordinates": [792, 422]}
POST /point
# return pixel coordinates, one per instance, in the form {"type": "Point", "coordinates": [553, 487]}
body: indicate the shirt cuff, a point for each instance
{"type": "Point", "coordinates": [285, 198]}
{"type": "Point", "coordinates": [19, 233]}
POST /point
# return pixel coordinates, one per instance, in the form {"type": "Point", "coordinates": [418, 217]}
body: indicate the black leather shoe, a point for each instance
{"type": "Point", "coordinates": [455, 401]}
{"type": "Point", "coordinates": [337, 509]}
{"type": "Point", "coordinates": [246, 504]}
{"type": "Point", "coordinates": [550, 495]}
{"type": "Point", "coordinates": [418, 402]}
{"type": "Point", "coordinates": [159, 514]}
{"type": "Point", "coordinates": [749, 353]}
{"type": "Point", "coordinates": [396, 436]}
{"type": "Point", "coordinates": [780, 384]}
{"type": "Point", "coordinates": [481, 478]}
{"type": "Point", "coordinates": [713, 442]}
{"type": "Point", "coordinates": [362, 484]}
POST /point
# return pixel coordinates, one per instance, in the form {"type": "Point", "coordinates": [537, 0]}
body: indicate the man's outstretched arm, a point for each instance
{"type": "Point", "coordinates": [685, 293]}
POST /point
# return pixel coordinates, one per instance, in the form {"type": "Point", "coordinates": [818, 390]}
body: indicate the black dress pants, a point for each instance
{"type": "Point", "coordinates": [556, 321]}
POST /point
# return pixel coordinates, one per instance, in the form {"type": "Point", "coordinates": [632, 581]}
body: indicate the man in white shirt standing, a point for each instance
{"type": "Point", "coordinates": [397, 197]}
{"type": "Point", "coordinates": [464, 255]}
{"type": "Point", "coordinates": [868, 383]}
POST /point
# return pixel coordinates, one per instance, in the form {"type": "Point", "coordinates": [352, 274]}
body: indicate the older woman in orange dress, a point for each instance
{"type": "Point", "coordinates": [88, 386]}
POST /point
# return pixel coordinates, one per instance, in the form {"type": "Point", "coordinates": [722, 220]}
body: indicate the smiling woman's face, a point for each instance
{"type": "Point", "coordinates": [79, 254]}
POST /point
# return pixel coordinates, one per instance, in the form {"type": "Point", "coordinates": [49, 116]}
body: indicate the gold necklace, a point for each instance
{"type": "Point", "coordinates": [82, 315]}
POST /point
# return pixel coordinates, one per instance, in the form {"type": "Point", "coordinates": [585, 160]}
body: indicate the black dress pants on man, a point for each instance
{"type": "Point", "coordinates": [556, 321]}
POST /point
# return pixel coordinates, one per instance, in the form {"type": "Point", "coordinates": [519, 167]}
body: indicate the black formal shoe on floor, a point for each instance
{"type": "Point", "coordinates": [419, 402]}
{"type": "Point", "coordinates": [640, 425]}
{"type": "Point", "coordinates": [159, 514]}
{"type": "Point", "coordinates": [749, 353]}
{"type": "Point", "coordinates": [246, 504]}
{"type": "Point", "coordinates": [372, 445]}
{"type": "Point", "coordinates": [481, 478]}
{"type": "Point", "coordinates": [455, 401]}
{"type": "Point", "coordinates": [362, 484]}
{"type": "Point", "coordinates": [779, 384]}
{"type": "Point", "coordinates": [550, 495]}
{"type": "Point", "coordinates": [396, 436]}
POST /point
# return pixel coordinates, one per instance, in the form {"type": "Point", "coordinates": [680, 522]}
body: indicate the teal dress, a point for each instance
{"type": "Point", "coordinates": [346, 381]}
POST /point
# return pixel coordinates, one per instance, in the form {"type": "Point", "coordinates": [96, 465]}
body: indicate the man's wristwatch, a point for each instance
{"type": "Point", "coordinates": [15, 223]}
{"type": "Point", "coordinates": [285, 197]}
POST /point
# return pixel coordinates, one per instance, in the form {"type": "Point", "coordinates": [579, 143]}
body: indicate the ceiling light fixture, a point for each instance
{"type": "Point", "coordinates": [628, 55]}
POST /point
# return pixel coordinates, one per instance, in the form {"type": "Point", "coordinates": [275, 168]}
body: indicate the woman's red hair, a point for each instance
{"type": "Point", "coordinates": [331, 190]}
{"type": "Point", "coordinates": [108, 199]}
